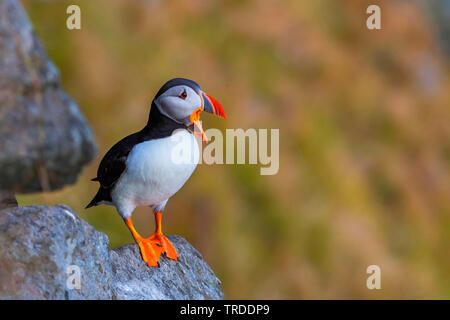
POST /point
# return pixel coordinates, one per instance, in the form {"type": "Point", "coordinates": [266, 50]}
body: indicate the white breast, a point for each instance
{"type": "Point", "coordinates": [156, 169]}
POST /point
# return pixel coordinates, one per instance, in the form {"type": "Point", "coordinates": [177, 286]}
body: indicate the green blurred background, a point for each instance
{"type": "Point", "coordinates": [364, 125]}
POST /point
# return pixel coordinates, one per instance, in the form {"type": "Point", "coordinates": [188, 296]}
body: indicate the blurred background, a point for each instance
{"type": "Point", "coordinates": [364, 125]}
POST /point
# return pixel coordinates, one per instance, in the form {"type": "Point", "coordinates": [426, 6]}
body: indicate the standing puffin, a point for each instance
{"type": "Point", "coordinates": [146, 169]}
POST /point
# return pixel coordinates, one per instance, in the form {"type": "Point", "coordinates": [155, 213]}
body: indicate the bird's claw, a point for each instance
{"type": "Point", "coordinates": [149, 251]}
{"type": "Point", "coordinates": [165, 245]}
{"type": "Point", "coordinates": [152, 248]}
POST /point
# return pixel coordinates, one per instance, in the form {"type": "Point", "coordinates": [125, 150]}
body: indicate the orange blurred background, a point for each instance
{"type": "Point", "coordinates": [364, 125]}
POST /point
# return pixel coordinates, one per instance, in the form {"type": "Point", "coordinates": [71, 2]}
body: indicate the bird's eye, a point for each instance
{"type": "Point", "coordinates": [183, 95]}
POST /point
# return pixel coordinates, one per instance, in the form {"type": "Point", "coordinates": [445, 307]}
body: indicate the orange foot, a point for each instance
{"type": "Point", "coordinates": [164, 244]}
{"type": "Point", "coordinates": [150, 251]}
{"type": "Point", "coordinates": [152, 247]}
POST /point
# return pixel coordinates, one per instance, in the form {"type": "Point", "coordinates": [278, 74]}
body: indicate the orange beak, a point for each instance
{"type": "Point", "coordinates": [198, 130]}
{"type": "Point", "coordinates": [211, 105]}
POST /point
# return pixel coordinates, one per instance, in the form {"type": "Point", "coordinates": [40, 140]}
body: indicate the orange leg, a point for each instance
{"type": "Point", "coordinates": [149, 250]}
{"type": "Point", "coordinates": [162, 240]}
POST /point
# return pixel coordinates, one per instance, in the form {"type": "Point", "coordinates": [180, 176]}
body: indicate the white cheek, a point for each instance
{"type": "Point", "coordinates": [195, 101]}
{"type": "Point", "coordinates": [172, 107]}
{"type": "Point", "coordinates": [178, 109]}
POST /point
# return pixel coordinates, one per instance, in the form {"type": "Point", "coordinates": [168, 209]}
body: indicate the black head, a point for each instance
{"type": "Point", "coordinates": [178, 82]}
{"type": "Point", "coordinates": [182, 101]}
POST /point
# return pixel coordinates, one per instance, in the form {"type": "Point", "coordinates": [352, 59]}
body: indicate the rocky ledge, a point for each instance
{"type": "Point", "coordinates": [50, 253]}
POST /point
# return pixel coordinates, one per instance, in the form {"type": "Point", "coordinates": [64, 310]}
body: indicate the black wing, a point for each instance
{"type": "Point", "coordinates": [112, 166]}
{"type": "Point", "coordinates": [114, 162]}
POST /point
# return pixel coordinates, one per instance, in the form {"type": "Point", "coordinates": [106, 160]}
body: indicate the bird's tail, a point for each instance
{"type": "Point", "coordinates": [102, 195]}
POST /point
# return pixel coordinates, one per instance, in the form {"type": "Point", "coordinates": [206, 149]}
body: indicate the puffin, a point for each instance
{"type": "Point", "coordinates": [148, 167]}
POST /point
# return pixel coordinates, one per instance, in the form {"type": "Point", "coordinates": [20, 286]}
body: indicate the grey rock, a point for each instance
{"type": "Point", "coordinates": [39, 245]}
{"type": "Point", "coordinates": [44, 139]}
{"type": "Point", "coordinates": [188, 278]}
